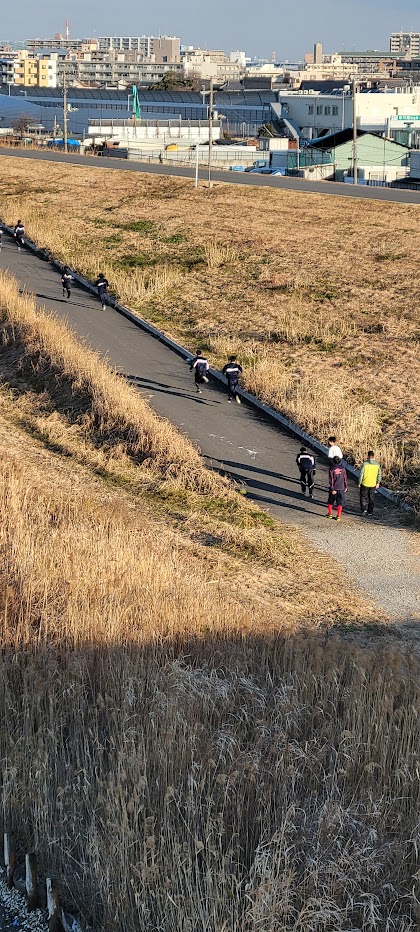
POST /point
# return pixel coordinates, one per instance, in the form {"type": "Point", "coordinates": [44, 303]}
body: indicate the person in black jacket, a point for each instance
{"type": "Point", "coordinates": [102, 285]}
{"type": "Point", "coordinates": [66, 280]}
{"type": "Point", "coordinates": [306, 465]}
{"type": "Point", "coordinates": [201, 368]}
{"type": "Point", "coordinates": [232, 370]}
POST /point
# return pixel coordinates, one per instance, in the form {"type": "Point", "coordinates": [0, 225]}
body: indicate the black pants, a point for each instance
{"type": "Point", "coordinates": [66, 290]}
{"type": "Point", "coordinates": [19, 241]}
{"type": "Point", "coordinates": [102, 296]}
{"type": "Point", "coordinates": [232, 386]}
{"type": "Point", "coordinates": [367, 498]}
{"type": "Point", "coordinates": [307, 478]}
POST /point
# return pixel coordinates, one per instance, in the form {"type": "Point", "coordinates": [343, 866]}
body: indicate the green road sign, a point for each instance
{"type": "Point", "coordinates": [408, 119]}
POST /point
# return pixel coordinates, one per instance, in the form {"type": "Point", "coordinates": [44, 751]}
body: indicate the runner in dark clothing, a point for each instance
{"type": "Point", "coordinates": [102, 285]}
{"type": "Point", "coordinates": [337, 487]}
{"type": "Point", "coordinates": [306, 465]}
{"type": "Point", "coordinates": [1, 238]}
{"type": "Point", "coordinates": [18, 234]}
{"type": "Point", "coordinates": [201, 368]}
{"type": "Point", "coordinates": [232, 370]}
{"type": "Point", "coordinates": [66, 280]}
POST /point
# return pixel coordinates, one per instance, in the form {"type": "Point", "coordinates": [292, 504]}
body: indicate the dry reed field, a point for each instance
{"type": "Point", "coordinates": [178, 766]}
{"type": "Point", "coordinates": [187, 739]}
{"type": "Point", "coordinates": [317, 295]}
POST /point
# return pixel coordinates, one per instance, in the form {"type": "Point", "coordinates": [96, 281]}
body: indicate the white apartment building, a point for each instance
{"type": "Point", "coordinates": [210, 63]}
{"type": "Point", "coordinates": [405, 43]}
{"type": "Point", "coordinates": [379, 112]}
{"type": "Point", "coordinates": [163, 48]}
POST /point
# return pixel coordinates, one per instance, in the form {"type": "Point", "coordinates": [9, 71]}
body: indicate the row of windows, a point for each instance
{"type": "Point", "coordinates": [327, 110]}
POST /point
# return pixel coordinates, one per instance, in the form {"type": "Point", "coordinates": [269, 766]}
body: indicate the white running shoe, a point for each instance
{"type": "Point", "coordinates": [238, 400]}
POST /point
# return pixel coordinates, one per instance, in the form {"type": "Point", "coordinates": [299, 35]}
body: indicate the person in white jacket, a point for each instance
{"type": "Point", "coordinates": [334, 449]}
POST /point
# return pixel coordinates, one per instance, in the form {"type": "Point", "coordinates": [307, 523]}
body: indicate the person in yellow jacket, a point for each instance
{"type": "Point", "coordinates": [369, 481]}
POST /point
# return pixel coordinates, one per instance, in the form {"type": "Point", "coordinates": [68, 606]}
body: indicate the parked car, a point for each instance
{"type": "Point", "coordinates": [237, 168]}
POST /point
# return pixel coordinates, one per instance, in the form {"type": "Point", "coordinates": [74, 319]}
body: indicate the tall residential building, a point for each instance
{"type": "Point", "coordinates": [405, 43]}
{"type": "Point", "coordinates": [164, 48]}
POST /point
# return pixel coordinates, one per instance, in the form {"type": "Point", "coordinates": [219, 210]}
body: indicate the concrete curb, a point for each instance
{"type": "Point", "coordinates": [251, 400]}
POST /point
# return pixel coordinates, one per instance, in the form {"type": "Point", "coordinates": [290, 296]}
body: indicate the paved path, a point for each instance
{"type": "Point", "coordinates": [337, 189]}
{"type": "Point", "coordinates": [238, 440]}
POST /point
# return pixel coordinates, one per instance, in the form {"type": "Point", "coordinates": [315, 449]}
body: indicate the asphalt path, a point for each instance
{"type": "Point", "coordinates": [237, 440]}
{"type": "Point", "coordinates": [337, 189]}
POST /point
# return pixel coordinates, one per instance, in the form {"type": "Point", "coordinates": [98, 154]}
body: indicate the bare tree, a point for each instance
{"type": "Point", "coordinates": [22, 123]}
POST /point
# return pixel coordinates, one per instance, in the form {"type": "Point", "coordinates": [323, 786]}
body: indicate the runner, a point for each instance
{"type": "Point", "coordinates": [18, 234]}
{"type": "Point", "coordinates": [1, 238]}
{"type": "Point", "coordinates": [306, 465]}
{"type": "Point", "coordinates": [66, 280]}
{"type": "Point", "coordinates": [232, 370]}
{"type": "Point", "coordinates": [102, 285]}
{"type": "Point", "coordinates": [337, 487]}
{"type": "Point", "coordinates": [201, 368]}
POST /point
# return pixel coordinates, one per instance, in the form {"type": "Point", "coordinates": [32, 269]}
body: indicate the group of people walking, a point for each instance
{"type": "Point", "coordinates": [369, 479]}
{"type": "Point", "coordinates": [370, 474]}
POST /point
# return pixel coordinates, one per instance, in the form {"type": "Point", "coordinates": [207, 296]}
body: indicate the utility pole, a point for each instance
{"type": "Point", "coordinates": [65, 111]}
{"type": "Point", "coordinates": [210, 130]}
{"type": "Point", "coordinates": [354, 87]}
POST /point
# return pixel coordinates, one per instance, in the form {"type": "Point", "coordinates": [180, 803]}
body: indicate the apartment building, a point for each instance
{"type": "Point", "coordinates": [405, 43]}
{"type": "Point", "coordinates": [25, 71]}
{"type": "Point", "coordinates": [57, 42]}
{"type": "Point", "coordinates": [161, 49]}
{"type": "Point", "coordinates": [113, 70]}
{"type": "Point", "coordinates": [211, 63]}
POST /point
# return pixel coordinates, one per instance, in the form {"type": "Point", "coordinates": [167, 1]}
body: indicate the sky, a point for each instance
{"type": "Point", "coordinates": [288, 29]}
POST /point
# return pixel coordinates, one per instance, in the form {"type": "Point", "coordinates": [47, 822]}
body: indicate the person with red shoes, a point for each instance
{"type": "Point", "coordinates": [337, 487]}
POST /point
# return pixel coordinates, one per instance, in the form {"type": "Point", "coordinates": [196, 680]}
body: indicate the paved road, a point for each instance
{"type": "Point", "coordinates": [337, 189]}
{"type": "Point", "coordinates": [237, 440]}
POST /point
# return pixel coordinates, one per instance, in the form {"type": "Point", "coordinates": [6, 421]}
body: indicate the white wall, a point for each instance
{"type": "Point", "coordinates": [372, 110]}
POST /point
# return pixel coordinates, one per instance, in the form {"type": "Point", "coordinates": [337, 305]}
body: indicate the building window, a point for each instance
{"type": "Point", "coordinates": [319, 109]}
{"type": "Point", "coordinates": [335, 111]}
{"type": "Point", "coordinates": [327, 111]}
{"type": "Point", "coordinates": [311, 108]}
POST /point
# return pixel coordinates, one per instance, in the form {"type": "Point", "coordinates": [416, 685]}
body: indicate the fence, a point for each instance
{"type": "Point", "coordinates": [38, 893]}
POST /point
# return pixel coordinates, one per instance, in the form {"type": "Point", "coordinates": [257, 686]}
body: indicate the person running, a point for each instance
{"type": "Point", "coordinates": [334, 449]}
{"type": "Point", "coordinates": [232, 370]}
{"type": "Point", "coordinates": [201, 368]}
{"type": "Point", "coordinates": [306, 465]}
{"type": "Point", "coordinates": [66, 280]}
{"type": "Point", "coordinates": [18, 233]}
{"type": "Point", "coordinates": [337, 487]}
{"type": "Point", "coordinates": [1, 238]}
{"type": "Point", "coordinates": [102, 285]}
{"type": "Point", "coordinates": [369, 482]}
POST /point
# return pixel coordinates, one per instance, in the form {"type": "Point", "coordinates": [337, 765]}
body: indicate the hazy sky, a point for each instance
{"type": "Point", "coordinates": [289, 29]}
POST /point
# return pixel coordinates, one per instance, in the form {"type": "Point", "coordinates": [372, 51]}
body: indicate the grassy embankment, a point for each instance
{"type": "Point", "coordinates": [172, 741]}
{"type": "Point", "coordinates": [317, 295]}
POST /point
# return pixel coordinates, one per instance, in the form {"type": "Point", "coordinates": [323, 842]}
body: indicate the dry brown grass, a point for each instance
{"type": "Point", "coordinates": [180, 752]}
{"type": "Point", "coordinates": [320, 285]}
{"type": "Point", "coordinates": [73, 403]}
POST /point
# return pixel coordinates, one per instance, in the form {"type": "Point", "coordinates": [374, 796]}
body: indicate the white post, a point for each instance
{"type": "Point", "coordinates": [196, 165]}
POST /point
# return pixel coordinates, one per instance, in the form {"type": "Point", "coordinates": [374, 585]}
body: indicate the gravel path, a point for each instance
{"type": "Point", "coordinates": [14, 915]}
{"type": "Point", "coordinates": [384, 561]}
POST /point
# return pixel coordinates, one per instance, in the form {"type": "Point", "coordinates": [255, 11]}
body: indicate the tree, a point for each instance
{"type": "Point", "coordinates": [174, 81]}
{"type": "Point", "coordinates": [22, 123]}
